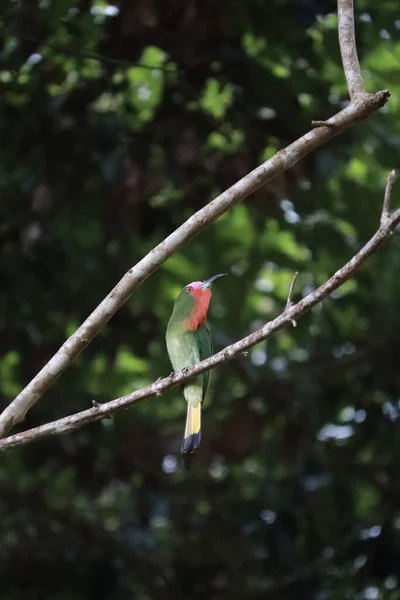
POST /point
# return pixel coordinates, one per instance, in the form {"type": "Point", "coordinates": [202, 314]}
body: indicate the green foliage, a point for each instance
{"type": "Point", "coordinates": [215, 100]}
{"type": "Point", "coordinates": [117, 123]}
{"type": "Point", "coordinates": [145, 86]}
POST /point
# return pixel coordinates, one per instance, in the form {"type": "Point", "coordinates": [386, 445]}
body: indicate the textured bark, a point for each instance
{"type": "Point", "coordinates": [348, 49]}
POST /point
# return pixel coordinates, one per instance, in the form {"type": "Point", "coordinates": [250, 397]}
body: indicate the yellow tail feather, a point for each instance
{"type": "Point", "coordinates": [192, 437]}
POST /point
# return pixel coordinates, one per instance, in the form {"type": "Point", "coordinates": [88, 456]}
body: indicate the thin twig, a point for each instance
{"type": "Point", "coordinates": [70, 51]}
{"type": "Point", "coordinates": [348, 49]}
{"type": "Point", "coordinates": [73, 422]}
{"type": "Point", "coordinates": [289, 302]}
{"type": "Point", "coordinates": [388, 197]}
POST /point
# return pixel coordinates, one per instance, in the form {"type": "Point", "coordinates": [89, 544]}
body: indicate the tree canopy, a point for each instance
{"type": "Point", "coordinates": [117, 123]}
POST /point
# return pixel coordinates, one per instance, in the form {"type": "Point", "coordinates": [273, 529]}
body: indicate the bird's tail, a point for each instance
{"type": "Point", "coordinates": [192, 438]}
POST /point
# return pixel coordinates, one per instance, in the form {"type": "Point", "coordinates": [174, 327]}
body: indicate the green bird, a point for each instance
{"type": "Point", "coordinates": [189, 342]}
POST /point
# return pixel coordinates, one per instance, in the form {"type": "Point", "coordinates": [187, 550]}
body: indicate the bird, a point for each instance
{"type": "Point", "coordinates": [189, 341]}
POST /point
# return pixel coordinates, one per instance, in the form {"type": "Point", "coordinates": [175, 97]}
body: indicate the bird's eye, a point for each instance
{"type": "Point", "coordinates": [189, 289]}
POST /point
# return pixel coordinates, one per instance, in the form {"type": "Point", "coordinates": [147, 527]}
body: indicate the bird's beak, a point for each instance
{"type": "Point", "coordinates": [208, 282]}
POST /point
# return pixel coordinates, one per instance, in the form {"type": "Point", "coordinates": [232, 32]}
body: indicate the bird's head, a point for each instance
{"type": "Point", "coordinates": [199, 289]}
{"type": "Point", "coordinates": [193, 302]}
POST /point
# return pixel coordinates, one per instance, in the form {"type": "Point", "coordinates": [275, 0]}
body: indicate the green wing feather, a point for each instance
{"type": "Point", "coordinates": [204, 341]}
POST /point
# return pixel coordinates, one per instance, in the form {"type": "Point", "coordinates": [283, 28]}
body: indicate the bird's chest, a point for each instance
{"type": "Point", "coordinates": [183, 350]}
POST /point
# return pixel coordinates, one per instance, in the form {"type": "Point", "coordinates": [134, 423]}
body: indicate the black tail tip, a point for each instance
{"type": "Point", "coordinates": [191, 443]}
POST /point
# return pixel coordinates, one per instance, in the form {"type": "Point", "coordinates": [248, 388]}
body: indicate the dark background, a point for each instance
{"type": "Point", "coordinates": [117, 123]}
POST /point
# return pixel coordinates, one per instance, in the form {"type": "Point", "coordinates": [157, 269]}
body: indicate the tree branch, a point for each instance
{"type": "Point", "coordinates": [290, 314]}
{"type": "Point", "coordinates": [361, 106]}
{"type": "Point", "coordinates": [289, 302]}
{"type": "Point", "coordinates": [388, 197]}
{"type": "Point", "coordinates": [348, 49]}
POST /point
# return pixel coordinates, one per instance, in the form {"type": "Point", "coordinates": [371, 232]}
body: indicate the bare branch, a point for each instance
{"type": "Point", "coordinates": [284, 159]}
{"type": "Point", "coordinates": [289, 302]}
{"type": "Point", "coordinates": [348, 49]}
{"type": "Point", "coordinates": [388, 197]}
{"type": "Point", "coordinates": [290, 314]}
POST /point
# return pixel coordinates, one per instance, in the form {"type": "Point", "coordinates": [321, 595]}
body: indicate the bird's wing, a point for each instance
{"type": "Point", "coordinates": [205, 350]}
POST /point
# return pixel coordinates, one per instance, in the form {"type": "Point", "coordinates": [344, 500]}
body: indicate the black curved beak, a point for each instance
{"type": "Point", "coordinates": [208, 282]}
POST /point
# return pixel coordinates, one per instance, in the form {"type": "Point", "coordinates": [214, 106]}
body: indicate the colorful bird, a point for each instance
{"type": "Point", "coordinates": [188, 342]}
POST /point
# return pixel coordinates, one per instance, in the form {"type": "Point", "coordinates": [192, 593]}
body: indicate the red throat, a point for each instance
{"type": "Point", "coordinates": [198, 315]}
